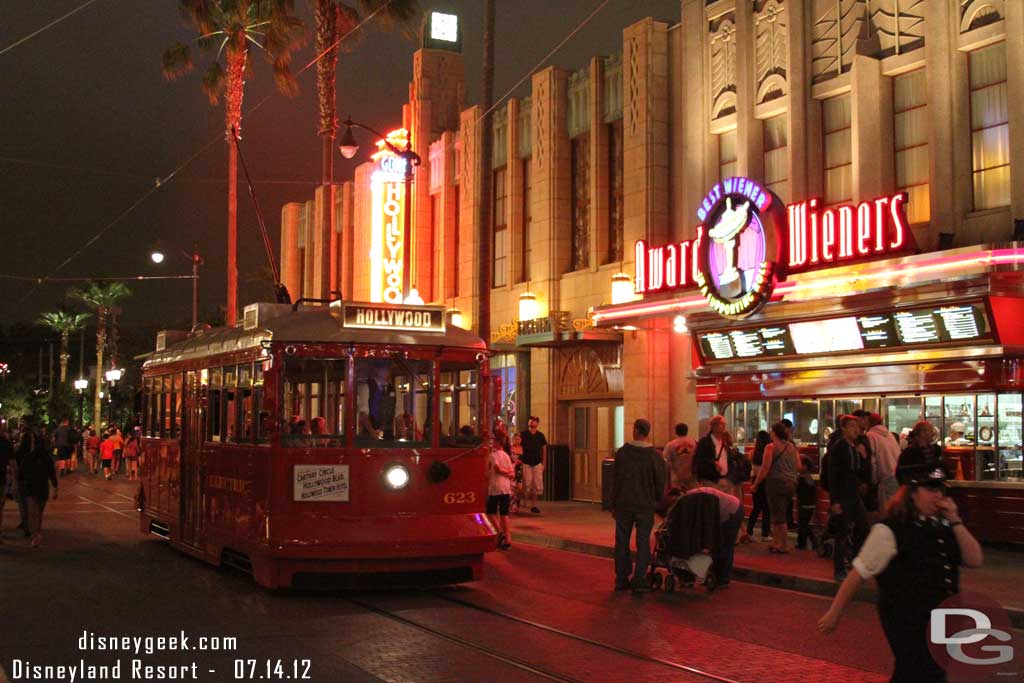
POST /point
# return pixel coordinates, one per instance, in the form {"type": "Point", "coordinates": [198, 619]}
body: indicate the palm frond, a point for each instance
{"type": "Point", "coordinates": [177, 61]}
{"type": "Point", "coordinates": [213, 82]}
{"type": "Point", "coordinates": [396, 15]}
{"type": "Point", "coordinates": [283, 76]}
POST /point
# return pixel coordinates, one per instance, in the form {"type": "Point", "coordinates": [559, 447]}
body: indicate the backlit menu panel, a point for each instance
{"type": "Point", "coordinates": [899, 329]}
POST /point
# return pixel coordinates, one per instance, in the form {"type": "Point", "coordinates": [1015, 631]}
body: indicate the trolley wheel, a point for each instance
{"type": "Point", "coordinates": [670, 583]}
{"type": "Point", "coordinates": [655, 580]}
{"type": "Point", "coordinates": [711, 582]}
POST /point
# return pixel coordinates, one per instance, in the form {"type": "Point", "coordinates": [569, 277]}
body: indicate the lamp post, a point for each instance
{"type": "Point", "coordinates": [81, 385]}
{"type": "Point", "coordinates": [158, 256]}
{"type": "Point", "coordinates": [113, 377]}
{"type": "Point", "coordinates": [348, 148]}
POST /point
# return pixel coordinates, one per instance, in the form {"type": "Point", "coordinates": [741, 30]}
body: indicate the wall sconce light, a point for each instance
{"type": "Point", "coordinates": [454, 317]}
{"type": "Point", "coordinates": [528, 306]}
{"type": "Point", "coordinates": [622, 289]}
{"type": "Point", "coordinates": [679, 325]}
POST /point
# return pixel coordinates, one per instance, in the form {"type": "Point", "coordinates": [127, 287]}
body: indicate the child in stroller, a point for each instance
{"type": "Point", "coordinates": [695, 541]}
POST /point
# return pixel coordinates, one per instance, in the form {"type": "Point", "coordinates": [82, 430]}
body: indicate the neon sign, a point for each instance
{"type": "Point", "coordinates": [754, 242]}
{"type": "Point", "coordinates": [387, 191]}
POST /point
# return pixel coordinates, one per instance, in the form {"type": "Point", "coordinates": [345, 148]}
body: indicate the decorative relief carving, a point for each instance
{"type": "Point", "coordinates": [771, 50]}
{"type": "Point", "coordinates": [633, 108]}
{"type": "Point", "coordinates": [723, 67]}
{"type": "Point", "coordinates": [589, 372]}
{"type": "Point", "coordinates": [580, 239]}
{"type": "Point", "coordinates": [977, 13]}
{"type": "Point", "coordinates": [878, 28]}
{"type": "Point", "coordinates": [539, 99]}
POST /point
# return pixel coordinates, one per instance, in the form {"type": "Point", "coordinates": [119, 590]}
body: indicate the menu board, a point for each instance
{"type": "Point", "coordinates": [878, 331]}
{"type": "Point", "coordinates": [899, 329]}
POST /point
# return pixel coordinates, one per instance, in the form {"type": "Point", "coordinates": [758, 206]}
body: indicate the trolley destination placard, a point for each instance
{"type": "Point", "coordinates": [320, 483]}
{"type": "Point", "coordinates": [373, 316]}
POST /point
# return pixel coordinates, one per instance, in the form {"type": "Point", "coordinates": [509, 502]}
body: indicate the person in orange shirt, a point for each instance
{"type": "Point", "coordinates": [107, 449]}
{"type": "Point", "coordinates": [115, 434]}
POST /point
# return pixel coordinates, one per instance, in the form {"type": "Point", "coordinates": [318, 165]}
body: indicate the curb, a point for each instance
{"type": "Point", "coordinates": [800, 584]}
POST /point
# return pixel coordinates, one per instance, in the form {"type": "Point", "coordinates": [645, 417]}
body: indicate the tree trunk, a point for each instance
{"type": "Point", "coordinates": [231, 306]}
{"type": "Point", "coordinates": [483, 315]}
{"type": "Point", "coordinates": [101, 339]}
{"type": "Point", "coordinates": [64, 355]}
{"type": "Point", "coordinates": [326, 35]}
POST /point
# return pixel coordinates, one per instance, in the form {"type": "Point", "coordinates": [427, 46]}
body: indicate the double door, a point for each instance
{"type": "Point", "coordinates": [596, 430]}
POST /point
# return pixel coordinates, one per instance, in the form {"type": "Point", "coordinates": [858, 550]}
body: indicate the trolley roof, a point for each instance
{"type": "Point", "coordinates": [279, 323]}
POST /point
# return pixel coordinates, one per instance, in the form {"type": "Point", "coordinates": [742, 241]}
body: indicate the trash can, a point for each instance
{"type": "Point", "coordinates": [558, 473]}
{"type": "Point", "coordinates": [607, 471]}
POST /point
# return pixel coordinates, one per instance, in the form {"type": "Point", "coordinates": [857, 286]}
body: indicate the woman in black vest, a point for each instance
{"type": "Point", "coordinates": [915, 556]}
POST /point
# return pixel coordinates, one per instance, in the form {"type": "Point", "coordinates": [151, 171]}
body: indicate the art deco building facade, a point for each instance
{"type": "Point", "coordinates": [842, 100]}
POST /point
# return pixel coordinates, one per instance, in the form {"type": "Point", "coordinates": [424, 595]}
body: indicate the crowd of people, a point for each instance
{"type": "Point", "coordinates": [34, 457]}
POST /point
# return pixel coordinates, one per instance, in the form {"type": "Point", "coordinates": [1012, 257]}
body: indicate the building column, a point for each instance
{"type": "Point", "coordinates": [514, 198]}
{"type": "Point", "coordinates": [345, 227]}
{"type": "Point", "coordinates": [872, 132]}
{"type": "Point", "coordinates": [802, 125]}
{"type": "Point", "coordinates": [694, 136]}
{"type": "Point", "coordinates": [939, 53]}
{"type": "Point", "coordinates": [308, 242]}
{"type": "Point", "coordinates": [599, 169]}
{"type": "Point", "coordinates": [1015, 86]}
{"type": "Point", "coordinates": [646, 207]}
{"type": "Point", "coordinates": [291, 255]}
{"type": "Point", "coordinates": [469, 200]}
{"type": "Point", "coordinates": [749, 131]}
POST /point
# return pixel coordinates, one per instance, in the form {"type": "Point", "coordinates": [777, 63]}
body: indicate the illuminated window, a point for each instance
{"type": "Point", "coordinates": [579, 258]}
{"type": "Point", "coordinates": [500, 231]}
{"type": "Point", "coordinates": [727, 154]}
{"type": "Point", "coordinates": [990, 130]}
{"type": "Point", "coordinates": [527, 222]}
{"type": "Point", "coordinates": [615, 195]}
{"type": "Point", "coordinates": [836, 113]}
{"type": "Point", "coordinates": [776, 161]}
{"type": "Point", "coordinates": [910, 106]}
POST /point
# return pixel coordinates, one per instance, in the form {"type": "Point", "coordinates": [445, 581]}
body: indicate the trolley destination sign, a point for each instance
{"type": "Point", "coordinates": [373, 316]}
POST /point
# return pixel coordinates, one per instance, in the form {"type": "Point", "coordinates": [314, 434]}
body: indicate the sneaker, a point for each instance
{"type": "Point", "coordinates": [535, 510]}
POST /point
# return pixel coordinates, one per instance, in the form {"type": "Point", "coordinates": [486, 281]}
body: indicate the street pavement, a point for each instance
{"type": "Point", "coordinates": [539, 614]}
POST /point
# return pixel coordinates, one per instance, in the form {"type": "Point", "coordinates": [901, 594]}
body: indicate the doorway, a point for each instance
{"type": "Point", "coordinates": [596, 430]}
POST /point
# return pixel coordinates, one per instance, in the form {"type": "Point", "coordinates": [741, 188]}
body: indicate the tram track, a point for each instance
{"type": "Point", "coordinates": [526, 666]}
{"type": "Point", "coordinates": [514, 662]}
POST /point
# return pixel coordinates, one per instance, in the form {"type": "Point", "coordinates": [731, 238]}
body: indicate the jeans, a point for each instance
{"type": "Point", "coordinates": [760, 509]}
{"type": "Point", "coordinates": [723, 560]}
{"type": "Point", "coordinates": [624, 523]}
{"type": "Point", "coordinates": [854, 518]}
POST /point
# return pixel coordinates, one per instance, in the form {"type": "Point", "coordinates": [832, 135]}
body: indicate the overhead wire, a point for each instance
{"type": "Point", "coordinates": [44, 28]}
{"type": "Point", "coordinates": [160, 182]}
{"type": "Point", "coordinates": [147, 178]}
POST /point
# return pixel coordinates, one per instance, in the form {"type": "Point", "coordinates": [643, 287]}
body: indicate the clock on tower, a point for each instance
{"type": "Point", "coordinates": [441, 32]}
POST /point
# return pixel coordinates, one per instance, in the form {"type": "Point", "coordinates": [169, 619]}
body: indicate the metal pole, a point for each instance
{"type": "Point", "coordinates": [195, 285]}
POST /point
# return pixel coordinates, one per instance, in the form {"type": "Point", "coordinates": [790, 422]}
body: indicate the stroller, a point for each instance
{"type": "Point", "coordinates": [684, 544]}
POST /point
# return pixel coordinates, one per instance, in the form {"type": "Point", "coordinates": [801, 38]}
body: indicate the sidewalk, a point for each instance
{"type": "Point", "coordinates": [585, 528]}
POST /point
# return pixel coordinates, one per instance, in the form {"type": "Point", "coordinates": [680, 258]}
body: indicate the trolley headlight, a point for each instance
{"type": "Point", "coordinates": [396, 477]}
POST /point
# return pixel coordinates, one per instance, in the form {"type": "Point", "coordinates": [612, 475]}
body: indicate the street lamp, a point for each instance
{"type": "Point", "coordinates": [113, 377]}
{"type": "Point", "coordinates": [81, 385]}
{"type": "Point", "coordinates": [348, 148]}
{"type": "Point", "coordinates": [158, 256]}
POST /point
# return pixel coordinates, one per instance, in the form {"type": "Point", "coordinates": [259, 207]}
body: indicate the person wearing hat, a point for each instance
{"type": "Point", "coordinates": [914, 554]}
{"type": "Point", "coordinates": [956, 435]}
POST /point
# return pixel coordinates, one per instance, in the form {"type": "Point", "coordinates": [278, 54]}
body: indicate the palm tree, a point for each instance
{"type": "Point", "coordinates": [102, 297]}
{"type": "Point", "coordinates": [334, 20]}
{"type": "Point", "coordinates": [228, 27]}
{"type": "Point", "coordinates": [64, 322]}
{"type": "Point", "coordinates": [484, 216]}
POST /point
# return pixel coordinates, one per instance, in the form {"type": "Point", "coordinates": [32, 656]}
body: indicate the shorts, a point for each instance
{"type": "Point", "coordinates": [498, 505]}
{"type": "Point", "coordinates": [780, 498]}
{"type": "Point", "coordinates": [64, 453]}
{"type": "Point", "coordinates": [533, 479]}
{"type": "Point", "coordinates": [107, 462]}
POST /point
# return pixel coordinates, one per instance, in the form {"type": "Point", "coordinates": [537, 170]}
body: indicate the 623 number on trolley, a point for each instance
{"type": "Point", "coordinates": [458, 497]}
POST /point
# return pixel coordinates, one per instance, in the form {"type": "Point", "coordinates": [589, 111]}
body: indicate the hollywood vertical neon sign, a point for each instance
{"type": "Point", "coordinates": [387, 193]}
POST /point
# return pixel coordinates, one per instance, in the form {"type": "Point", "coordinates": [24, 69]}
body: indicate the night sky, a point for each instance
{"type": "Point", "coordinates": [88, 124]}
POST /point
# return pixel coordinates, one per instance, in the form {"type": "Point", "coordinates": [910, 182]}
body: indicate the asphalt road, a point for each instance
{"type": "Point", "coordinates": [539, 614]}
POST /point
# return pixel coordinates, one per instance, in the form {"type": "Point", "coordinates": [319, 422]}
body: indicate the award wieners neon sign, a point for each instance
{"type": "Point", "coordinates": [747, 241]}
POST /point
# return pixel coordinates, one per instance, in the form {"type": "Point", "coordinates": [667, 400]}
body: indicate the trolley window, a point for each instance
{"type": "Point", "coordinates": [214, 404]}
{"type": "Point", "coordinates": [394, 399]}
{"type": "Point", "coordinates": [177, 401]}
{"type": "Point", "coordinates": [460, 404]}
{"type": "Point", "coordinates": [314, 402]}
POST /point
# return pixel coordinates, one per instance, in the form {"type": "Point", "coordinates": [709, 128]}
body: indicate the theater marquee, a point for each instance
{"type": "Point", "coordinates": [747, 242]}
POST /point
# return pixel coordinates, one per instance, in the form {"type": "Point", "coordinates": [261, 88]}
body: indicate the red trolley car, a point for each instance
{"type": "Point", "coordinates": [316, 440]}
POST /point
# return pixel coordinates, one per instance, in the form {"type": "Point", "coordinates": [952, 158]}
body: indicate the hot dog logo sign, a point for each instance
{"type": "Point", "coordinates": [748, 241]}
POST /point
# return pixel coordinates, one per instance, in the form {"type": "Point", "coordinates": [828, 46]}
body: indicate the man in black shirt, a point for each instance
{"type": "Point", "coordinates": [534, 458]}
{"type": "Point", "coordinates": [638, 482]}
{"type": "Point", "coordinates": [844, 483]}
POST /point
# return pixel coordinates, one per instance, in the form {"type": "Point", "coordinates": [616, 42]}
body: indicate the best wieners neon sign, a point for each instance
{"type": "Point", "coordinates": [747, 241]}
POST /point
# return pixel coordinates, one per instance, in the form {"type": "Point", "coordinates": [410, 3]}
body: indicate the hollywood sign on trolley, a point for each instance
{"type": "Point", "coordinates": [811, 238]}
